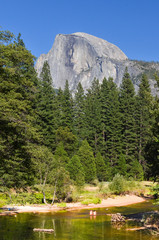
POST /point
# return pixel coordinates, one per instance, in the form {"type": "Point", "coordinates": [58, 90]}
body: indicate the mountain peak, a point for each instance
{"type": "Point", "coordinates": [81, 57]}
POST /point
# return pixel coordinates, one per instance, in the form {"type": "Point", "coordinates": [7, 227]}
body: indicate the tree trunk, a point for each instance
{"type": "Point", "coordinates": [53, 199]}
{"type": "Point", "coordinates": [44, 199]}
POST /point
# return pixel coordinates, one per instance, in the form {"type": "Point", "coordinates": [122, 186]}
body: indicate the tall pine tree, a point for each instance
{"type": "Point", "coordinates": [111, 123]}
{"type": "Point", "coordinates": [100, 167]}
{"type": "Point", "coordinates": [88, 162]}
{"type": "Point", "coordinates": [67, 107]}
{"type": "Point", "coordinates": [93, 115]}
{"type": "Point", "coordinates": [144, 118]}
{"type": "Point", "coordinates": [78, 112]}
{"type": "Point", "coordinates": [46, 107]}
{"type": "Point", "coordinates": [127, 108]}
{"type": "Point", "coordinates": [76, 171]}
{"type": "Point", "coordinates": [18, 84]}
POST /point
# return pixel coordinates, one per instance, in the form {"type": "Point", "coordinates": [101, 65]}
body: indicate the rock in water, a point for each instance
{"type": "Point", "coordinates": [80, 57]}
{"type": "Point", "coordinates": [117, 218]}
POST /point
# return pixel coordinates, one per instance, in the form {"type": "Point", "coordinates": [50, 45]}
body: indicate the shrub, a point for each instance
{"type": "Point", "coordinates": [118, 185]}
{"type": "Point", "coordinates": [94, 182]}
{"type": "Point", "coordinates": [105, 192]}
{"type": "Point", "coordinates": [76, 194]}
{"type": "Point", "coordinates": [3, 199]}
{"type": "Point", "coordinates": [27, 198]}
{"type": "Point", "coordinates": [155, 191]}
{"type": "Point", "coordinates": [3, 202]}
{"type": "Point", "coordinates": [96, 200]}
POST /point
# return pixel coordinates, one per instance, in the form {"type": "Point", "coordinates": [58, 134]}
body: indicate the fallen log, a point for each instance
{"type": "Point", "coordinates": [43, 230]}
{"type": "Point", "coordinates": [136, 229]}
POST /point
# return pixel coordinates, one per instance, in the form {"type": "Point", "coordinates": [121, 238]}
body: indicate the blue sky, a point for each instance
{"type": "Point", "coordinates": [132, 25]}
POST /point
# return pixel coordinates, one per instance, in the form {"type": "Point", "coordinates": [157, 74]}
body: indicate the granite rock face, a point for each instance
{"type": "Point", "coordinates": [80, 57]}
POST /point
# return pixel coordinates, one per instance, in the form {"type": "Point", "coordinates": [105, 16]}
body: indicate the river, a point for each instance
{"type": "Point", "coordinates": [74, 225]}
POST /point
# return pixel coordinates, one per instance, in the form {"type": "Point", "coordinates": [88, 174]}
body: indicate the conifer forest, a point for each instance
{"type": "Point", "coordinates": [51, 136]}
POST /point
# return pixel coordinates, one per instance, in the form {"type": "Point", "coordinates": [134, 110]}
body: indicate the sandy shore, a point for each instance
{"type": "Point", "coordinates": [109, 202]}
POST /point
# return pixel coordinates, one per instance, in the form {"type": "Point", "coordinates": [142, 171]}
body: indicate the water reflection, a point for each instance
{"type": "Point", "coordinates": [71, 226]}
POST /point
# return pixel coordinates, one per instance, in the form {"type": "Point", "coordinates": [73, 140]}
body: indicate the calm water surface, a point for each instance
{"type": "Point", "coordinates": [77, 225]}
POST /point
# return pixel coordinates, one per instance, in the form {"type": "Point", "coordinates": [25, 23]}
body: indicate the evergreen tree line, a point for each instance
{"type": "Point", "coordinates": [48, 136]}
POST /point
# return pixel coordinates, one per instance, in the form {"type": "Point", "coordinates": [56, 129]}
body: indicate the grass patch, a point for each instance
{"type": "Point", "coordinates": [91, 201]}
{"type": "Point", "coordinates": [61, 205]}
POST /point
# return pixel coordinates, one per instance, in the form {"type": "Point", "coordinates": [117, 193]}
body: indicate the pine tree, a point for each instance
{"type": "Point", "coordinates": [61, 178]}
{"type": "Point", "coordinates": [61, 155]}
{"type": "Point", "coordinates": [100, 167]}
{"type": "Point", "coordinates": [76, 171]}
{"type": "Point", "coordinates": [144, 118]}
{"type": "Point", "coordinates": [92, 115]}
{"type": "Point", "coordinates": [78, 112]}
{"type": "Point", "coordinates": [121, 167]}
{"type": "Point", "coordinates": [152, 148]}
{"type": "Point", "coordinates": [111, 123]}
{"type": "Point", "coordinates": [18, 84]}
{"type": "Point", "coordinates": [46, 107]}
{"type": "Point", "coordinates": [88, 162]}
{"type": "Point", "coordinates": [69, 140]}
{"type": "Point", "coordinates": [67, 107]}
{"type": "Point", "coordinates": [127, 108]}
{"type": "Point", "coordinates": [136, 170]}
{"type": "Point", "coordinates": [59, 112]}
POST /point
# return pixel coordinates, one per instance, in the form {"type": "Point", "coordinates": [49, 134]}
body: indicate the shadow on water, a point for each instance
{"type": "Point", "coordinates": [75, 225]}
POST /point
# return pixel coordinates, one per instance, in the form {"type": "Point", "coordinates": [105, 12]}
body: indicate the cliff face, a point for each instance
{"type": "Point", "coordinates": [80, 57]}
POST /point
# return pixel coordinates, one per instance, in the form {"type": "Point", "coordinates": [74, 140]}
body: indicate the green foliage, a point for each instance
{"type": "Point", "coordinates": [118, 185]}
{"type": "Point", "coordinates": [121, 128]}
{"type": "Point", "coordinates": [155, 190]}
{"type": "Point", "coordinates": [127, 106]}
{"type": "Point", "coordinates": [88, 162]}
{"type": "Point", "coordinates": [152, 149]}
{"type": "Point", "coordinates": [46, 107]}
{"type": "Point", "coordinates": [92, 118]}
{"type": "Point", "coordinates": [17, 97]}
{"type": "Point", "coordinates": [27, 198]}
{"type": "Point", "coordinates": [3, 200]}
{"type": "Point", "coordinates": [61, 205]}
{"type": "Point", "coordinates": [69, 140]}
{"type": "Point", "coordinates": [100, 167]}
{"type": "Point", "coordinates": [63, 185]}
{"type": "Point", "coordinates": [111, 123]}
{"type": "Point", "coordinates": [44, 165]}
{"type": "Point", "coordinates": [79, 112]}
{"type": "Point", "coordinates": [91, 201]}
{"type": "Point", "coordinates": [6, 37]}
{"type": "Point", "coordinates": [145, 118]}
{"type": "Point", "coordinates": [66, 107]}
{"type": "Point", "coordinates": [122, 167]}
{"type": "Point", "coordinates": [136, 170]}
{"type": "Point", "coordinates": [43, 161]}
{"type": "Point", "coordinates": [61, 155]}
{"type": "Point", "coordinates": [76, 171]}
{"type": "Point", "coordinates": [76, 193]}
